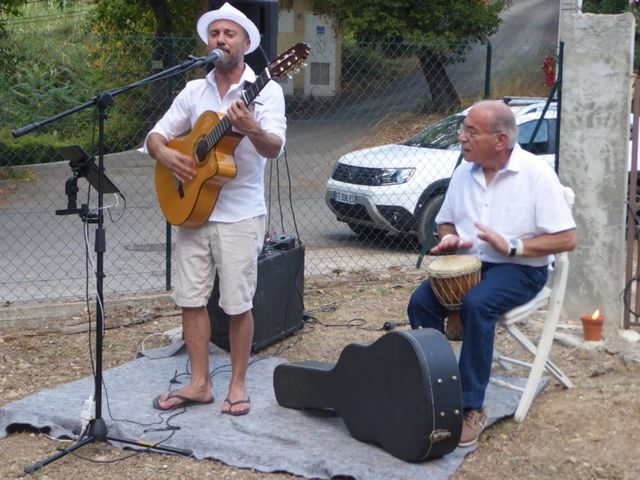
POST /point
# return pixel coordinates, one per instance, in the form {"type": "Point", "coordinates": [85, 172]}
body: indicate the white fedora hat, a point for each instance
{"type": "Point", "coordinates": [229, 12]}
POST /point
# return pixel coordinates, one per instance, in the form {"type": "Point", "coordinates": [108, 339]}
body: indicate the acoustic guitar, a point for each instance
{"type": "Point", "coordinates": [401, 392]}
{"type": "Point", "coordinates": [211, 143]}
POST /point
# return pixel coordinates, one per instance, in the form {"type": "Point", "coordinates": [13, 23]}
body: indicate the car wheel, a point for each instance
{"type": "Point", "coordinates": [426, 230]}
{"type": "Point", "coordinates": [367, 233]}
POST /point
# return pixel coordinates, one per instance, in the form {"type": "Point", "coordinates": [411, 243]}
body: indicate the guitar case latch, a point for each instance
{"type": "Point", "coordinates": [439, 435]}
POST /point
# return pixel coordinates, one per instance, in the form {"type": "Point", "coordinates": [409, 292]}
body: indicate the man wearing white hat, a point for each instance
{"type": "Point", "coordinates": [230, 242]}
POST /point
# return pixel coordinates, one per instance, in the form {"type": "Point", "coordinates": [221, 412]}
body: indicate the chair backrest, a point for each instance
{"type": "Point", "coordinates": [560, 268]}
{"type": "Point", "coordinates": [558, 282]}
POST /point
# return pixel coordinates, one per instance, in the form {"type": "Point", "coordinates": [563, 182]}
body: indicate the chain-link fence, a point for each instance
{"type": "Point", "coordinates": [364, 100]}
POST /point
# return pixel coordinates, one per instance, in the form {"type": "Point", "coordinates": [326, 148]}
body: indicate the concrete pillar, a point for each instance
{"type": "Point", "coordinates": [565, 7]}
{"type": "Point", "coordinates": [596, 104]}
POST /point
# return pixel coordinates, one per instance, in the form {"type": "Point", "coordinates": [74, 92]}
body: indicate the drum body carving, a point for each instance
{"type": "Point", "coordinates": [452, 276]}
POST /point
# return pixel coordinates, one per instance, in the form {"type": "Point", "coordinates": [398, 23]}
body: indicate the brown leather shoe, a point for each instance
{"type": "Point", "coordinates": [472, 426]}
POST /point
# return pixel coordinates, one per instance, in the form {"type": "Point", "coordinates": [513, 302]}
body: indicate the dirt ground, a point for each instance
{"type": "Point", "coordinates": [591, 431]}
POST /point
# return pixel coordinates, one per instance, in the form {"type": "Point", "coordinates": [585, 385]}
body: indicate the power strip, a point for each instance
{"type": "Point", "coordinates": [88, 412]}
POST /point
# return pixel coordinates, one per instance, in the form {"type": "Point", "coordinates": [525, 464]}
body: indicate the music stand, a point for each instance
{"type": "Point", "coordinates": [97, 429]}
{"type": "Point", "coordinates": [82, 165]}
{"type": "Point", "coordinates": [85, 166]}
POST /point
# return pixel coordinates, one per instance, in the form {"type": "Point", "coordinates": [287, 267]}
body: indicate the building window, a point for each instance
{"type": "Point", "coordinates": [319, 73]}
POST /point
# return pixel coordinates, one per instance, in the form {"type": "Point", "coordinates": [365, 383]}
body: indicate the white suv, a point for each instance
{"type": "Point", "coordinates": [400, 187]}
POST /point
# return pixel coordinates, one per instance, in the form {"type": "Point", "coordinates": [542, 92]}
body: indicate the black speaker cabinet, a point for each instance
{"type": "Point", "coordinates": [277, 303]}
{"type": "Point", "coordinates": [264, 13]}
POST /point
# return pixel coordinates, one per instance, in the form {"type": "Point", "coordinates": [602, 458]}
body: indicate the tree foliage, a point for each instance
{"type": "Point", "coordinates": [8, 58]}
{"type": "Point", "coordinates": [136, 38]}
{"type": "Point", "coordinates": [161, 18]}
{"type": "Point", "coordinates": [8, 7]}
{"type": "Point", "coordinates": [122, 24]}
{"type": "Point", "coordinates": [437, 31]}
{"type": "Point", "coordinates": [441, 22]}
{"type": "Point", "coordinates": [605, 6]}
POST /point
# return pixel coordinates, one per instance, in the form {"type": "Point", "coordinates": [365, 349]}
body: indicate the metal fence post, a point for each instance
{"type": "Point", "coordinates": [487, 72]}
{"type": "Point", "coordinates": [559, 104]}
{"type": "Point", "coordinates": [168, 232]}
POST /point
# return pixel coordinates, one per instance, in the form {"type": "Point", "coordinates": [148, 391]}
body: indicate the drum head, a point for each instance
{"type": "Point", "coordinates": [453, 265]}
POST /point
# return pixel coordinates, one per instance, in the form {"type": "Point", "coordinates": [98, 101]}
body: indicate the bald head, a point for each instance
{"type": "Point", "coordinates": [500, 118]}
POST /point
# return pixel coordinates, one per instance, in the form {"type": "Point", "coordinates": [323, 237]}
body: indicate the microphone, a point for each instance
{"type": "Point", "coordinates": [215, 55]}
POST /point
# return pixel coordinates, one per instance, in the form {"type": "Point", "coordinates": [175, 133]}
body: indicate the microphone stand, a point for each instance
{"type": "Point", "coordinates": [97, 429]}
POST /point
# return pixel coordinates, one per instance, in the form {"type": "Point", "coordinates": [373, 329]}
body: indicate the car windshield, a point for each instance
{"type": "Point", "coordinates": [442, 135]}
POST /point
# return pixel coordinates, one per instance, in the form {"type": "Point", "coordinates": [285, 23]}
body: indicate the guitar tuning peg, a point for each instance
{"type": "Point", "coordinates": [290, 77]}
{"type": "Point", "coordinates": [296, 71]}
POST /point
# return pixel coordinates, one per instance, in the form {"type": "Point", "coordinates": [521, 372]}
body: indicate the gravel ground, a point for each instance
{"type": "Point", "coordinates": [588, 432]}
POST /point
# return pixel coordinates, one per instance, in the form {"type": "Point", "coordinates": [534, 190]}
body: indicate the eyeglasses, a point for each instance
{"type": "Point", "coordinates": [473, 133]}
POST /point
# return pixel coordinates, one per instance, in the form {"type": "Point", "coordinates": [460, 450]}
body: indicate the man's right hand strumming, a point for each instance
{"type": "Point", "coordinates": [180, 165]}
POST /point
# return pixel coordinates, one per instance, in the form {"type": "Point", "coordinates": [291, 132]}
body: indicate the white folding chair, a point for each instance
{"type": "Point", "coordinates": [550, 298]}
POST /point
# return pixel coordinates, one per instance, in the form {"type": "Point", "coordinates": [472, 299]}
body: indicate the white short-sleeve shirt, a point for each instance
{"type": "Point", "coordinates": [243, 196]}
{"type": "Point", "coordinates": [524, 200]}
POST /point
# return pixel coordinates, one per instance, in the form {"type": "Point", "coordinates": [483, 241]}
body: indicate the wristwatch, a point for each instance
{"type": "Point", "coordinates": [516, 248]}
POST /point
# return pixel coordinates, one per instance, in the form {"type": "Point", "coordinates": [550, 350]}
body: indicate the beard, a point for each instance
{"type": "Point", "coordinates": [230, 61]}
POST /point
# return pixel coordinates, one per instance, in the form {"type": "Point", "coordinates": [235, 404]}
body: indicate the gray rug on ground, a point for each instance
{"type": "Point", "coordinates": [269, 439]}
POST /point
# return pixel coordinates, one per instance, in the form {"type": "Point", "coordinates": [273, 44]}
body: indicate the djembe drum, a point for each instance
{"type": "Point", "coordinates": [452, 276]}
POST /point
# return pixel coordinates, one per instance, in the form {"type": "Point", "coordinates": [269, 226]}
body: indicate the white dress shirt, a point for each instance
{"type": "Point", "coordinates": [243, 196]}
{"type": "Point", "coordinates": [524, 200]}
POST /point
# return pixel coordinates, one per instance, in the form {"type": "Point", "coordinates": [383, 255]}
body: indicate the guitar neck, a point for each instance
{"type": "Point", "coordinates": [251, 92]}
{"type": "Point", "coordinates": [248, 95]}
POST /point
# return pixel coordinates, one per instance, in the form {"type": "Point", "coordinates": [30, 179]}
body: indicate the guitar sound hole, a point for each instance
{"type": "Point", "coordinates": [201, 152]}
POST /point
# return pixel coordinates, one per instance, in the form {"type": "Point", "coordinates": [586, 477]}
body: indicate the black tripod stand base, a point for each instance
{"type": "Point", "coordinates": [98, 433]}
{"type": "Point", "coordinates": [152, 446]}
{"type": "Point", "coordinates": [37, 466]}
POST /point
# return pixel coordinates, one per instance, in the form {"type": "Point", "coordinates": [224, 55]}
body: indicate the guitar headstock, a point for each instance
{"type": "Point", "coordinates": [289, 60]}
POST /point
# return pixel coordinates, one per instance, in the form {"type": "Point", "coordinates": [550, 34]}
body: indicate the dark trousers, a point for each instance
{"type": "Point", "coordinates": [503, 286]}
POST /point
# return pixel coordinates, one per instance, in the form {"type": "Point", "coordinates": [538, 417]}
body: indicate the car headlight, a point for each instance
{"type": "Point", "coordinates": [393, 176]}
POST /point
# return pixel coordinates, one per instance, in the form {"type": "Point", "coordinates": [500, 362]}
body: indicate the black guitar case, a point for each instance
{"type": "Point", "coordinates": [401, 392]}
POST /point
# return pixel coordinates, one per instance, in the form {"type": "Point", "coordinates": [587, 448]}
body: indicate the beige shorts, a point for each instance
{"type": "Point", "coordinates": [231, 250]}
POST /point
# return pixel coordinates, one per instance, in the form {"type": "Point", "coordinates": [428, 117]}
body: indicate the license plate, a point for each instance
{"type": "Point", "coordinates": [349, 198]}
